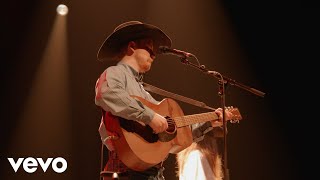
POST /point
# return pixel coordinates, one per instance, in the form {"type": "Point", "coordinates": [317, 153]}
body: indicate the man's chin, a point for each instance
{"type": "Point", "coordinates": [146, 68]}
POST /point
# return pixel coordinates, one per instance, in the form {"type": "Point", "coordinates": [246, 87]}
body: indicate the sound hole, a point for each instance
{"type": "Point", "coordinates": [171, 125]}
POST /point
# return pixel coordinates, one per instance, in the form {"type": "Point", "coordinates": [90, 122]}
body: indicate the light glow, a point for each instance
{"type": "Point", "coordinates": [62, 9]}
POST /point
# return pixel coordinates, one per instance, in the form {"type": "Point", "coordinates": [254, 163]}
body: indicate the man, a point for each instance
{"type": "Point", "coordinates": [134, 45]}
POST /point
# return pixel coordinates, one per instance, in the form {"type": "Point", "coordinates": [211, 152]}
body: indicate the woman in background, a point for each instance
{"type": "Point", "coordinates": [202, 160]}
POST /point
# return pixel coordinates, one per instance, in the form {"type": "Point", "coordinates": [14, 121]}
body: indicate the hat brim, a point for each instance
{"type": "Point", "coordinates": [111, 46]}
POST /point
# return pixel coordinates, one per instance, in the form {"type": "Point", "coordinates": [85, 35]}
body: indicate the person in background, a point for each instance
{"type": "Point", "coordinates": [202, 159]}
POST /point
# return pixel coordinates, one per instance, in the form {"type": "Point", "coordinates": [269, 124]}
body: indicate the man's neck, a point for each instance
{"type": "Point", "coordinates": [131, 62]}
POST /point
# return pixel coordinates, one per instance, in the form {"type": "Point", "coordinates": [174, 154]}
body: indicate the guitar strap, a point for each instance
{"type": "Point", "coordinates": [165, 93]}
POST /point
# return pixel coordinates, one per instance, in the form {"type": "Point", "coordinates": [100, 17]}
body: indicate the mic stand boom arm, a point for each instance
{"type": "Point", "coordinates": [223, 80]}
{"type": "Point", "coordinates": [226, 80]}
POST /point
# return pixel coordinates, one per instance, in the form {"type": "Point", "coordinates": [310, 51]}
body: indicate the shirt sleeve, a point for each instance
{"type": "Point", "coordinates": [115, 99]}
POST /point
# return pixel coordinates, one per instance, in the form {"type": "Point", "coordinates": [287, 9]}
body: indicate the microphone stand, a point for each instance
{"type": "Point", "coordinates": [222, 82]}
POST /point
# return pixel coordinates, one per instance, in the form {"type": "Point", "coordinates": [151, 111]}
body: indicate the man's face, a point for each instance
{"type": "Point", "coordinates": [144, 54]}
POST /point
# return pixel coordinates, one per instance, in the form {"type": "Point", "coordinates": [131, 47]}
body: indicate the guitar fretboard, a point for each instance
{"type": "Point", "coordinates": [195, 118]}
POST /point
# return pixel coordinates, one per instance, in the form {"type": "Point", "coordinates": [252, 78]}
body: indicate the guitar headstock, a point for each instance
{"type": "Point", "coordinates": [235, 114]}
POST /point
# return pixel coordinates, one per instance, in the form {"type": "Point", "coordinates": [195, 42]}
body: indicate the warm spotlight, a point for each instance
{"type": "Point", "coordinates": [115, 175]}
{"type": "Point", "coordinates": [62, 9]}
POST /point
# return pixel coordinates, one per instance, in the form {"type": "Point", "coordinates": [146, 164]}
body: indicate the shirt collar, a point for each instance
{"type": "Point", "coordinates": [138, 76]}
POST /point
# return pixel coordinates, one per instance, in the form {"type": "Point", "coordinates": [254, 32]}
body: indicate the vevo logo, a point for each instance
{"type": "Point", "coordinates": [30, 164]}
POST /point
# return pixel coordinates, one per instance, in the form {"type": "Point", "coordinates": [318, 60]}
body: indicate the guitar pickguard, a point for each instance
{"type": "Point", "coordinates": [145, 132]}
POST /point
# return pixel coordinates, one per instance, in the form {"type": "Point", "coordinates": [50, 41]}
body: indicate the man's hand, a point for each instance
{"type": "Point", "coordinates": [158, 123]}
{"type": "Point", "coordinates": [219, 112]}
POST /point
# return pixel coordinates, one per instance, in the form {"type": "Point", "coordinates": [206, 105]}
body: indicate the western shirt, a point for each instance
{"type": "Point", "coordinates": [114, 94]}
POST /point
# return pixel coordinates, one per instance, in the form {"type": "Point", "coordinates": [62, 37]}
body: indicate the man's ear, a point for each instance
{"type": "Point", "coordinates": [131, 47]}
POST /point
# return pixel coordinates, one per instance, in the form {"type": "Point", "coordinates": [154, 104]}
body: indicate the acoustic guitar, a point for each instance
{"type": "Point", "coordinates": [139, 148]}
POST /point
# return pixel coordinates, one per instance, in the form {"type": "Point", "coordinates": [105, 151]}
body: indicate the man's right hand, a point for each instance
{"type": "Point", "coordinates": [158, 123]}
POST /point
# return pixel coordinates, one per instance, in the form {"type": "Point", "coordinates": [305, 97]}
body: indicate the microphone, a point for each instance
{"type": "Point", "coordinates": [176, 52]}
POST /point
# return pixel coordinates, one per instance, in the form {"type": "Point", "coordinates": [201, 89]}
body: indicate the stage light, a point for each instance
{"type": "Point", "coordinates": [62, 9]}
{"type": "Point", "coordinates": [115, 175]}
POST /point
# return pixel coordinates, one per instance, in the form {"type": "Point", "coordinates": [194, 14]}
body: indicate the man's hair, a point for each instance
{"type": "Point", "coordinates": [123, 49]}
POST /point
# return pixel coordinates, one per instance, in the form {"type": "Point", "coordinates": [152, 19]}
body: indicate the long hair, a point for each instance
{"type": "Point", "coordinates": [209, 150]}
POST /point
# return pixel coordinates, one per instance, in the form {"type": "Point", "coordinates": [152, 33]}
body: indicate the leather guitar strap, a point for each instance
{"type": "Point", "coordinates": [165, 93]}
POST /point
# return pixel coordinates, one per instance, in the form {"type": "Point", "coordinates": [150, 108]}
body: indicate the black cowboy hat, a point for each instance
{"type": "Point", "coordinates": [129, 31]}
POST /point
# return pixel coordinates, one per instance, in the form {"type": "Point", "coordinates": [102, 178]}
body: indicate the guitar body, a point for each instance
{"type": "Point", "coordinates": [139, 148]}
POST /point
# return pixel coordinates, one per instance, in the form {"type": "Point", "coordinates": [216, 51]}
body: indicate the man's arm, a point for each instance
{"type": "Point", "coordinates": [112, 96]}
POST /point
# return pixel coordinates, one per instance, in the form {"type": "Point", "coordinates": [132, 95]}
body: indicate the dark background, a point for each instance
{"type": "Point", "coordinates": [270, 46]}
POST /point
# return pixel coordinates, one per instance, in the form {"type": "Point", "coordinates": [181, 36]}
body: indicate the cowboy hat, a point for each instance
{"type": "Point", "coordinates": [129, 31]}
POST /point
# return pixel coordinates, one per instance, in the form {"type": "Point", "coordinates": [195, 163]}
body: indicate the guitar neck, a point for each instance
{"type": "Point", "coordinates": [195, 118]}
